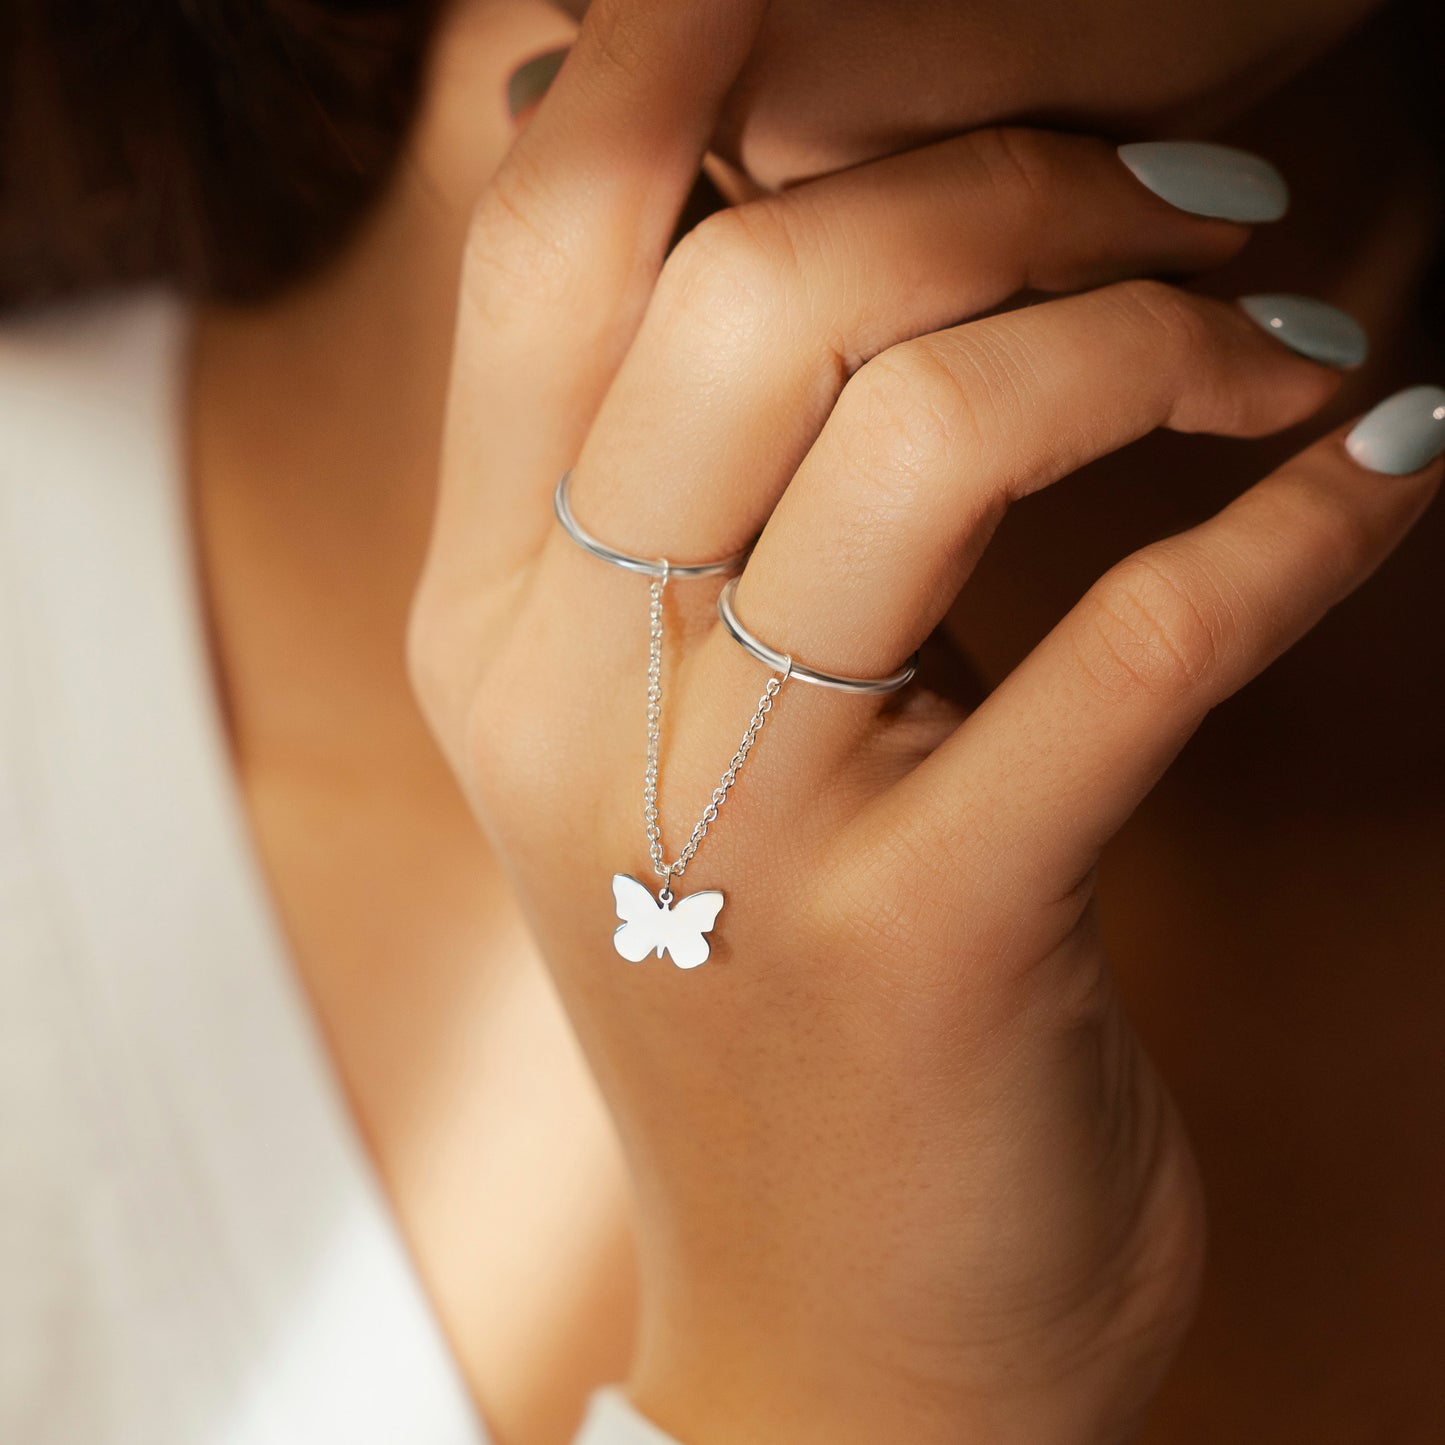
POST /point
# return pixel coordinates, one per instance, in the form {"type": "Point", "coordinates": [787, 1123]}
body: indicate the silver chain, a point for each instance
{"type": "Point", "coordinates": [669, 871]}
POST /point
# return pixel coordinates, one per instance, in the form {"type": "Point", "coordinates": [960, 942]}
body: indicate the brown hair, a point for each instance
{"type": "Point", "coordinates": [231, 147]}
{"type": "Point", "coordinates": [228, 146]}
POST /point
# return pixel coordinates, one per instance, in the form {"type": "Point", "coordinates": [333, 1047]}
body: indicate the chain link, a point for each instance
{"type": "Point", "coordinates": [668, 871]}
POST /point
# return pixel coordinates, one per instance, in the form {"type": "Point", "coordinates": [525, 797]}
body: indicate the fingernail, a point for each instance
{"type": "Point", "coordinates": [529, 83]}
{"type": "Point", "coordinates": [1209, 180]}
{"type": "Point", "coordinates": [1402, 433]}
{"type": "Point", "coordinates": [1309, 327]}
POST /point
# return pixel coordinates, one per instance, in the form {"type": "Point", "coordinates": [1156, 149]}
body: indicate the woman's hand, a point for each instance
{"type": "Point", "coordinates": [903, 1170]}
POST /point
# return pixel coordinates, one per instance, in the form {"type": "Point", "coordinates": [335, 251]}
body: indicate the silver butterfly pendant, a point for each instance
{"type": "Point", "coordinates": [676, 926]}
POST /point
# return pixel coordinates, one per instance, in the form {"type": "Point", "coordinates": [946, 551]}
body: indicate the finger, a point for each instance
{"type": "Point", "coordinates": [932, 442]}
{"type": "Point", "coordinates": [564, 250]}
{"type": "Point", "coordinates": [1054, 761]}
{"type": "Point", "coordinates": [764, 311]}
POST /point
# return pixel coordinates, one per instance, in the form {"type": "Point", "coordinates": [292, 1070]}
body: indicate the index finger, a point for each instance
{"type": "Point", "coordinates": [564, 250]}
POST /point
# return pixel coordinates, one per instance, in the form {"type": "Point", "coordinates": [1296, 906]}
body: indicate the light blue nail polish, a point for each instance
{"type": "Point", "coordinates": [1320, 332]}
{"type": "Point", "coordinates": [529, 82]}
{"type": "Point", "coordinates": [1402, 433]}
{"type": "Point", "coordinates": [1208, 179]}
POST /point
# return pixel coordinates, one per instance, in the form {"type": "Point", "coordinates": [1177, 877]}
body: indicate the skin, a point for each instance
{"type": "Point", "coordinates": [436, 1036]}
{"type": "Point", "coordinates": [833, 82]}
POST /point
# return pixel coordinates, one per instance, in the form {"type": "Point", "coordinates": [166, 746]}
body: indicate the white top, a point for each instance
{"type": "Point", "coordinates": [194, 1249]}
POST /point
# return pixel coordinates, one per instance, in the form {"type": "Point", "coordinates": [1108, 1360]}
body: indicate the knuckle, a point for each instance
{"type": "Point", "coordinates": [998, 363]}
{"type": "Point", "coordinates": [1018, 162]}
{"type": "Point", "coordinates": [1340, 538]}
{"type": "Point", "coordinates": [1167, 315]}
{"type": "Point", "coordinates": [1175, 341]}
{"type": "Point", "coordinates": [908, 413]}
{"type": "Point", "coordinates": [514, 261]}
{"type": "Point", "coordinates": [617, 44]}
{"type": "Point", "coordinates": [732, 275]}
{"type": "Point", "coordinates": [1150, 627]}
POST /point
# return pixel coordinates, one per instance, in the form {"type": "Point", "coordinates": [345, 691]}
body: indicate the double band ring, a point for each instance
{"type": "Point", "coordinates": [647, 566]}
{"type": "Point", "coordinates": [727, 567]}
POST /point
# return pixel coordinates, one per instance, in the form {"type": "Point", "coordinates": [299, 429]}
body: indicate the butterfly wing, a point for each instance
{"type": "Point", "coordinates": [641, 916]}
{"type": "Point", "coordinates": [684, 925]}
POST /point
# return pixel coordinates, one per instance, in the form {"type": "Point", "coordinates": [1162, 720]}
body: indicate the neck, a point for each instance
{"type": "Point", "coordinates": [316, 418]}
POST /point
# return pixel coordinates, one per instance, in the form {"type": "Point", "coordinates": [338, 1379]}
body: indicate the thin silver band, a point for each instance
{"type": "Point", "coordinates": [794, 670]}
{"type": "Point", "coordinates": [647, 566]}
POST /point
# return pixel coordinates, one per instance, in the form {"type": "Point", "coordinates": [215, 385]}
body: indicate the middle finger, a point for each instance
{"type": "Point", "coordinates": [764, 311]}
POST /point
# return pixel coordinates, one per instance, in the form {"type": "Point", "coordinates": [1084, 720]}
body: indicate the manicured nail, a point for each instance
{"type": "Point", "coordinates": [1402, 433]}
{"type": "Point", "coordinates": [529, 83]}
{"type": "Point", "coordinates": [1208, 179]}
{"type": "Point", "coordinates": [1322, 333]}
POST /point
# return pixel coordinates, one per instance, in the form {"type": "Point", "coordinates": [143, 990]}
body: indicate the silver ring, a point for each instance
{"type": "Point", "coordinates": [782, 662]}
{"type": "Point", "coordinates": [647, 566]}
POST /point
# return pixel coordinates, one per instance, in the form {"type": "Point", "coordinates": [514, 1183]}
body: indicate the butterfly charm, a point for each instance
{"type": "Point", "coordinates": [649, 925]}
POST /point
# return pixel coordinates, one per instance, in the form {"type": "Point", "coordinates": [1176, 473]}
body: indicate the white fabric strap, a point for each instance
{"type": "Point", "coordinates": [611, 1420]}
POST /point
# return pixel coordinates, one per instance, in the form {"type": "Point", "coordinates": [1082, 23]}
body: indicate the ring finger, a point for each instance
{"type": "Point", "coordinates": [932, 441]}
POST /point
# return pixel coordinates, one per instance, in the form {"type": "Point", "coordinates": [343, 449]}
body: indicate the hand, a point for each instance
{"type": "Point", "coordinates": [903, 1170]}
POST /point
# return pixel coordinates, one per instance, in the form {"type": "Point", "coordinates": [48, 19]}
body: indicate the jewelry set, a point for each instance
{"type": "Point", "coordinates": [679, 926]}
